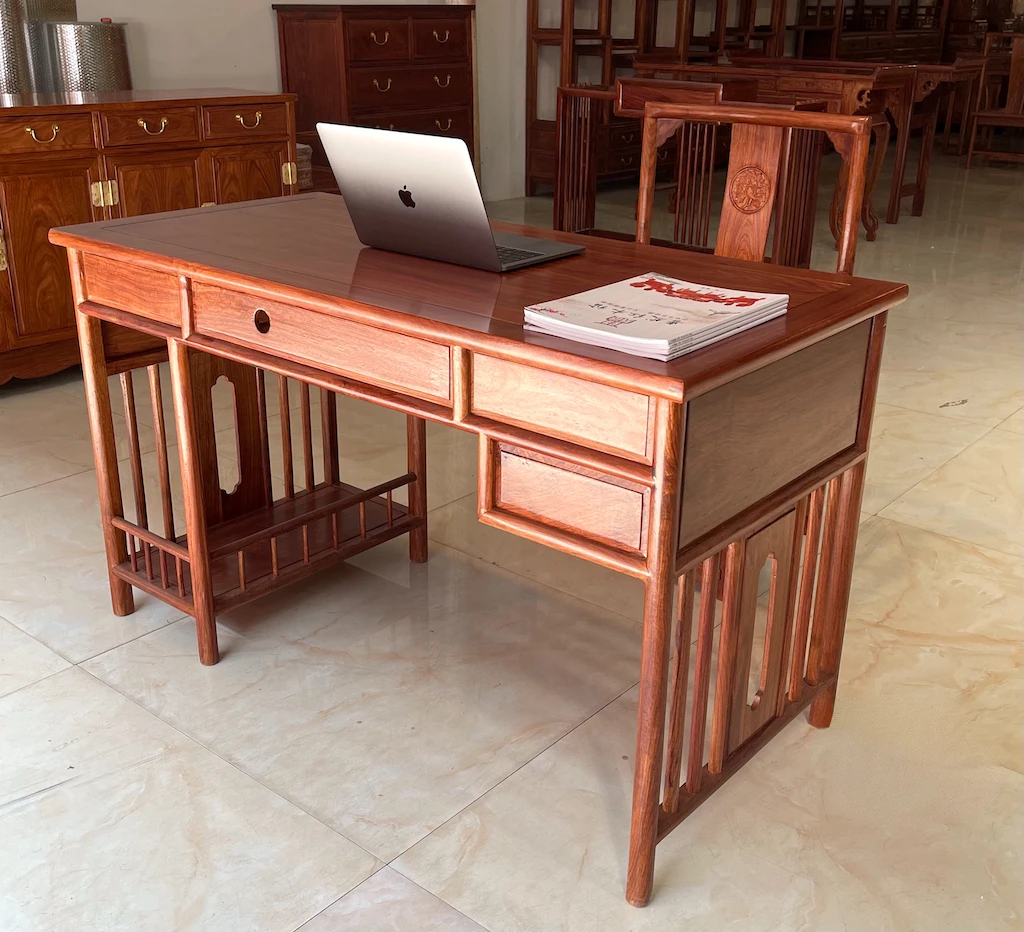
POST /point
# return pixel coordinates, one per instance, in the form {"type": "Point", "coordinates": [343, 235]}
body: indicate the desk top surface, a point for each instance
{"type": "Point", "coordinates": [304, 247]}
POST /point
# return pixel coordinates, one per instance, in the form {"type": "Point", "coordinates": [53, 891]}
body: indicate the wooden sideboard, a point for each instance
{"type": "Point", "coordinates": [405, 67]}
{"type": "Point", "coordinates": [74, 158]}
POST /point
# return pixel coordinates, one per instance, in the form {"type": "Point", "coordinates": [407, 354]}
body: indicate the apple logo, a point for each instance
{"type": "Point", "coordinates": [405, 196]}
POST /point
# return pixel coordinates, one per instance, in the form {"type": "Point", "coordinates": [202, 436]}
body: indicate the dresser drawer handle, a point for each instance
{"type": "Point", "coordinates": [626, 139]}
{"type": "Point", "coordinates": [439, 39]}
{"type": "Point", "coordinates": [54, 129]}
{"type": "Point", "coordinates": [626, 161]}
{"type": "Point", "coordinates": [444, 129]}
{"type": "Point", "coordinates": [383, 90]}
{"type": "Point", "coordinates": [447, 80]}
{"type": "Point", "coordinates": [663, 155]}
{"type": "Point", "coordinates": [376, 41]}
{"type": "Point", "coordinates": [262, 320]}
{"type": "Point", "coordinates": [241, 119]}
{"type": "Point", "coordinates": [153, 132]}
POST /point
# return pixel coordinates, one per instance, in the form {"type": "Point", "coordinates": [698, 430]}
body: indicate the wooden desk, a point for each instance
{"type": "Point", "coordinates": [689, 475]}
{"type": "Point", "coordinates": [847, 87]}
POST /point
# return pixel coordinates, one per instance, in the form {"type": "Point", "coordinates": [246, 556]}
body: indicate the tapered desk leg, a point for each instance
{"type": "Point", "coordinates": [650, 737]}
{"type": "Point", "coordinates": [97, 395]}
{"type": "Point", "coordinates": [195, 515]}
{"type": "Point", "coordinates": [416, 429]}
{"type": "Point", "coordinates": [902, 113]}
{"type": "Point", "coordinates": [927, 144]}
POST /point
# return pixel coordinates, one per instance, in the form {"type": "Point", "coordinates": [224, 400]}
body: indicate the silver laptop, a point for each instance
{"type": "Point", "coordinates": [419, 195]}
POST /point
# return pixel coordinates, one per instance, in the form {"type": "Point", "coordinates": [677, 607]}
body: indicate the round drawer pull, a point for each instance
{"type": "Point", "coordinates": [54, 129]}
{"type": "Point", "coordinates": [262, 320]}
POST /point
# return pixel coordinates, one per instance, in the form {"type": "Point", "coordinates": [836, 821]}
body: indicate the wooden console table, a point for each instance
{"type": "Point", "coordinates": [689, 475]}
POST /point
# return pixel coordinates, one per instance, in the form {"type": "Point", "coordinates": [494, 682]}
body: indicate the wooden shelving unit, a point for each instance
{"type": "Point", "coordinates": [909, 31]}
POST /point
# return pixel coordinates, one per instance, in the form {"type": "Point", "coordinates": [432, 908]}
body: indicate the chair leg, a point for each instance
{"type": "Point", "coordinates": [970, 147]}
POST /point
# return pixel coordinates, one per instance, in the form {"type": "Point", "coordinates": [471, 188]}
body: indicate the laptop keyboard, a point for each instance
{"type": "Point", "coordinates": [509, 254]}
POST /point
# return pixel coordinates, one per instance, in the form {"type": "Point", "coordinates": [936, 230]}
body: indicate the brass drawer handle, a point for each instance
{"type": "Point", "coordinates": [152, 132]}
{"type": "Point", "coordinates": [261, 319]}
{"type": "Point", "coordinates": [54, 129]}
{"type": "Point", "coordinates": [444, 129]}
{"type": "Point", "coordinates": [241, 119]}
{"type": "Point", "coordinates": [376, 41]}
{"type": "Point", "coordinates": [626, 139]}
{"type": "Point", "coordinates": [663, 155]}
{"type": "Point", "coordinates": [447, 81]}
{"type": "Point", "coordinates": [626, 161]}
{"type": "Point", "coordinates": [439, 39]}
{"type": "Point", "coordinates": [383, 90]}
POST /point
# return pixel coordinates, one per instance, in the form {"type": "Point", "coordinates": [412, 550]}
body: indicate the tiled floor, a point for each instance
{"type": "Point", "coordinates": [448, 746]}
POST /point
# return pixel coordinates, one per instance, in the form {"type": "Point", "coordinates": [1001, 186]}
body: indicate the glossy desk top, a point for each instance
{"type": "Point", "coordinates": [304, 247]}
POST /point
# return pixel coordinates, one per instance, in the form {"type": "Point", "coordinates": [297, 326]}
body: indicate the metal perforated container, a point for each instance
{"type": "Point", "coordinates": [15, 76]}
{"type": "Point", "coordinates": [40, 52]}
{"type": "Point", "coordinates": [89, 56]}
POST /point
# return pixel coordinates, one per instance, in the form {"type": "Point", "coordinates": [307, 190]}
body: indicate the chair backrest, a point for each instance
{"type": "Point", "coordinates": [760, 156]}
{"type": "Point", "coordinates": [1015, 86]}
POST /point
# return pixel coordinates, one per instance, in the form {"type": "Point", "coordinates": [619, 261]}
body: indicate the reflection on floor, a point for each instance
{"type": "Point", "coordinates": [448, 746]}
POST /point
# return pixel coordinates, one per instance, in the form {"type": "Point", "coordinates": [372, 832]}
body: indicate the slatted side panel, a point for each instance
{"type": "Point", "coordinates": [576, 160]}
{"type": "Point", "coordinates": [694, 184]}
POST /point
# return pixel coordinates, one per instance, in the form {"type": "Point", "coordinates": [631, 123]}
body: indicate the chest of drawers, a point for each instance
{"type": "Point", "coordinates": [406, 68]}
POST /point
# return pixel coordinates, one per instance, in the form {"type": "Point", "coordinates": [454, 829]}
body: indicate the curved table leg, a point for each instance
{"type": "Point", "coordinates": [880, 133]}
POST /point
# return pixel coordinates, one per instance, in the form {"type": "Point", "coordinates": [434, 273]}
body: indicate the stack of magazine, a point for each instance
{"type": "Point", "coordinates": [654, 316]}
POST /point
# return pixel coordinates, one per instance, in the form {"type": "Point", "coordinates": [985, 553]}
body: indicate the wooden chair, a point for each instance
{"type": "Point", "coordinates": [759, 153]}
{"type": "Point", "coordinates": [1010, 116]}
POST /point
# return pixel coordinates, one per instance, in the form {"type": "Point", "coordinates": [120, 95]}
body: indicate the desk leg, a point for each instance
{"type": "Point", "coordinates": [192, 490]}
{"type": "Point", "coordinates": [416, 430]}
{"type": "Point", "coordinates": [650, 739]}
{"type": "Point", "coordinates": [901, 110]}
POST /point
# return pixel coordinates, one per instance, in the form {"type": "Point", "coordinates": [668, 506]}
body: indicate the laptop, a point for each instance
{"type": "Point", "coordinates": [419, 195]}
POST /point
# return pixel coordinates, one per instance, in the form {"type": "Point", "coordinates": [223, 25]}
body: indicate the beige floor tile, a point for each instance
{"type": "Point", "coordinates": [380, 708]}
{"type": "Point", "coordinates": [114, 820]}
{"type": "Point", "coordinates": [978, 496]}
{"type": "Point", "coordinates": [389, 902]}
{"type": "Point", "coordinates": [23, 660]}
{"type": "Point", "coordinates": [1015, 422]}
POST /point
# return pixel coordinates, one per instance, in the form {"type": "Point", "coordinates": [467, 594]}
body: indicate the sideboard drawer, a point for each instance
{"type": "Point", "coordinates": [440, 39]}
{"type": "Point", "coordinates": [360, 351]}
{"type": "Point", "coordinates": [145, 127]}
{"type": "Point", "coordinates": [456, 122]}
{"type": "Point", "coordinates": [384, 88]}
{"type": "Point", "coordinates": [597, 416]}
{"type": "Point", "coordinates": [245, 121]}
{"type": "Point", "coordinates": [42, 134]}
{"type": "Point", "coordinates": [371, 40]}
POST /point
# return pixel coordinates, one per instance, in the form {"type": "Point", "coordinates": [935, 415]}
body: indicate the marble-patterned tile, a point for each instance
{"type": "Point", "coordinates": [46, 437]}
{"type": "Point", "coordinates": [389, 902]}
{"type": "Point", "coordinates": [23, 660]}
{"type": "Point", "coordinates": [114, 820]}
{"type": "Point", "coordinates": [53, 571]}
{"type": "Point", "coordinates": [1014, 423]}
{"type": "Point", "coordinates": [978, 496]}
{"type": "Point", "coordinates": [456, 526]}
{"type": "Point", "coordinates": [383, 708]}
{"type": "Point", "coordinates": [908, 445]}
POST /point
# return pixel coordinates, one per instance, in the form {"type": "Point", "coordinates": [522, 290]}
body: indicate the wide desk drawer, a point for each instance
{"type": "Point", "coordinates": [43, 134]}
{"type": "Point", "coordinates": [144, 127]}
{"type": "Point", "coordinates": [246, 121]}
{"type": "Point", "coordinates": [600, 417]}
{"type": "Point", "coordinates": [367, 354]}
{"type": "Point", "coordinates": [383, 89]}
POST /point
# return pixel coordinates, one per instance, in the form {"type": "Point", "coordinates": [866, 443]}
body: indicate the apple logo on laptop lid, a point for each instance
{"type": "Point", "coordinates": [405, 196]}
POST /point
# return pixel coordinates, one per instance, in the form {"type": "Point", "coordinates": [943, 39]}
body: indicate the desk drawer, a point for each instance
{"type": "Point", "coordinates": [146, 127]}
{"type": "Point", "coordinates": [440, 39]}
{"type": "Point", "coordinates": [372, 40]}
{"type": "Point", "coordinates": [387, 89]}
{"type": "Point", "coordinates": [246, 121]}
{"type": "Point", "coordinates": [53, 133]}
{"type": "Point", "coordinates": [597, 416]}
{"type": "Point", "coordinates": [365, 353]}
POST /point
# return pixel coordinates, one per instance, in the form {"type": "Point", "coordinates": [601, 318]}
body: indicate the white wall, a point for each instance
{"type": "Point", "coordinates": [233, 43]}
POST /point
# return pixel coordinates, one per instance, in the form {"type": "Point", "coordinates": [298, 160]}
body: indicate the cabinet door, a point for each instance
{"type": "Point", "coordinates": [150, 182]}
{"type": "Point", "coordinates": [36, 305]}
{"type": "Point", "coordinates": [246, 173]}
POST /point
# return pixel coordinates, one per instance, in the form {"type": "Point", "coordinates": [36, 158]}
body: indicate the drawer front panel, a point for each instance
{"type": "Point", "coordinates": [387, 89]}
{"type": "Point", "coordinates": [379, 357]}
{"type": "Point", "coordinates": [146, 292]}
{"type": "Point", "coordinates": [570, 500]}
{"type": "Point", "coordinates": [245, 121]}
{"type": "Point", "coordinates": [750, 437]}
{"type": "Point", "coordinates": [440, 39]}
{"type": "Point", "coordinates": [39, 135]}
{"type": "Point", "coordinates": [148, 127]}
{"type": "Point", "coordinates": [457, 122]}
{"type": "Point", "coordinates": [596, 416]}
{"type": "Point", "coordinates": [371, 40]}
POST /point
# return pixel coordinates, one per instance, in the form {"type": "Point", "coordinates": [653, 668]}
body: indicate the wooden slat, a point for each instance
{"type": "Point", "coordinates": [702, 672]}
{"type": "Point", "coordinates": [288, 465]}
{"type": "Point", "coordinates": [805, 599]}
{"type": "Point", "coordinates": [821, 588]}
{"type": "Point", "coordinates": [726, 656]}
{"type": "Point", "coordinates": [307, 436]}
{"type": "Point", "coordinates": [134, 452]}
{"type": "Point", "coordinates": [160, 433]}
{"type": "Point", "coordinates": [677, 692]}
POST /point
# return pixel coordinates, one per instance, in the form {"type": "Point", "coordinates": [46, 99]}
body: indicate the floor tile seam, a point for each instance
{"type": "Point", "coordinates": [34, 638]}
{"type": "Point", "coordinates": [41, 679]}
{"type": "Point", "coordinates": [39, 485]}
{"type": "Point", "coordinates": [234, 766]}
{"type": "Point", "coordinates": [947, 536]}
{"type": "Point", "coordinates": [980, 421]}
{"type": "Point", "coordinates": [131, 640]}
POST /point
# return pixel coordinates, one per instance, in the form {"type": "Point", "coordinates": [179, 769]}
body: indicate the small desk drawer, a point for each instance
{"type": "Point", "coordinates": [42, 134]}
{"type": "Point", "coordinates": [365, 353]}
{"type": "Point", "coordinates": [597, 416]}
{"type": "Point", "coordinates": [146, 127]}
{"type": "Point", "coordinates": [245, 121]}
{"type": "Point", "coordinates": [371, 40]}
{"type": "Point", "coordinates": [440, 39]}
{"type": "Point", "coordinates": [382, 88]}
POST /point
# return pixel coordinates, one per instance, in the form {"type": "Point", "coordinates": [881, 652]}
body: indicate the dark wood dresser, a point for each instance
{"type": "Point", "coordinates": [76, 158]}
{"type": "Point", "coordinates": [402, 67]}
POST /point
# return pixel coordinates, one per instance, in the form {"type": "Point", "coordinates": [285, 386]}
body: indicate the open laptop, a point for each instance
{"type": "Point", "coordinates": [419, 195]}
